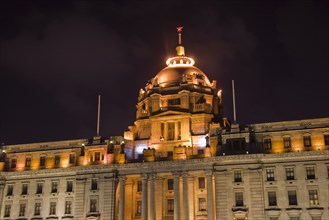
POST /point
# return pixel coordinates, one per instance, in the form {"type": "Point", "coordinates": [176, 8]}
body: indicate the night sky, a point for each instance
{"type": "Point", "coordinates": [57, 56]}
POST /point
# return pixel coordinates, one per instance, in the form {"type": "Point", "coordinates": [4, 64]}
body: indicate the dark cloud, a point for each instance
{"type": "Point", "coordinates": [57, 56]}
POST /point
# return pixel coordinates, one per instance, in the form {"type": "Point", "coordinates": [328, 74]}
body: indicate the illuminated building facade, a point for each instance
{"type": "Point", "coordinates": [180, 160]}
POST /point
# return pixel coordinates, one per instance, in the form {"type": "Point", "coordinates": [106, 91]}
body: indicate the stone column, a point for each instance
{"type": "Point", "coordinates": [176, 197]}
{"type": "Point", "coordinates": [110, 183]}
{"type": "Point", "coordinates": [217, 196]}
{"type": "Point", "coordinates": [79, 206]}
{"type": "Point", "coordinates": [185, 196]}
{"type": "Point", "coordinates": [210, 196]}
{"type": "Point", "coordinates": [144, 197]}
{"type": "Point", "coordinates": [152, 197]}
{"type": "Point", "coordinates": [122, 180]}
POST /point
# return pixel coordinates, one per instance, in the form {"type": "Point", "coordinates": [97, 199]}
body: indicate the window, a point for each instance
{"type": "Point", "coordinates": [94, 184]}
{"type": "Point", "coordinates": [7, 210]}
{"type": "Point", "coordinates": [22, 208]}
{"type": "Point", "coordinates": [37, 208]}
{"type": "Point", "coordinates": [310, 173]}
{"type": "Point", "coordinates": [267, 143]}
{"type": "Point", "coordinates": [272, 198]}
{"type": "Point", "coordinates": [28, 162]}
{"type": "Point", "coordinates": [328, 171]}
{"type": "Point", "coordinates": [10, 189]}
{"type": "Point", "coordinates": [139, 208]}
{"type": "Point", "coordinates": [42, 161]}
{"type": "Point", "coordinates": [326, 139]}
{"type": "Point", "coordinates": [170, 205]}
{"type": "Point", "coordinates": [270, 174]}
{"type": "Point", "coordinates": [170, 184]}
{"type": "Point", "coordinates": [237, 176]}
{"type": "Point", "coordinates": [93, 205]}
{"type": "Point", "coordinates": [52, 210]}
{"type": "Point", "coordinates": [170, 154]}
{"type": "Point", "coordinates": [13, 163]}
{"type": "Point", "coordinates": [68, 207]}
{"type": "Point", "coordinates": [179, 129]}
{"type": "Point", "coordinates": [202, 204]}
{"type": "Point", "coordinates": [72, 158]}
{"type": "Point", "coordinates": [200, 151]}
{"type": "Point", "coordinates": [238, 199]}
{"type": "Point", "coordinates": [313, 195]}
{"type": "Point", "coordinates": [39, 188]}
{"type": "Point", "coordinates": [294, 218]}
{"type": "Point", "coordinates": [139, 186]}
{"type": "Point", "coordinates": [97, 156]}
{"type": "Point", "coordinates": [290, 173]}
{"type": "Point", "coordinates": [172, 102]}
{"type": "Point", "coordinates": [171, 131]}
{"type": "Point", "coordinates": [307, 141]}
{"type": "Point", "coordinates": [24, 189]}
{"type": "Point", "coordinates": [162, 131]}
{"type": "Point", "coordinates": [292, 197]}
{"type": "Point", "coordinates": [54, 187]}
{"type": "Point", "coordinates": [286, 142]}
{"type": "Point", "coordinates": [69, 186]}
{"type": "Point", "coordinates": [202, 183]}
{"type": "Point", "coordinates": [57, 160]}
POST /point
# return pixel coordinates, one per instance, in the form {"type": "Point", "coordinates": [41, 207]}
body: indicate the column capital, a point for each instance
{"type": "Point", "coordinates": [122, 178]}
{"type": "Point", "coordinates": [185, 174]}
{"type": "Point", "coordinates": [144, 176]}
{"type": "Point", "coordinates": [209, 172]}
{"type": "Point", "coordinates": [176, 173]}
{"type": "Point", "coordinates": [152, 176]}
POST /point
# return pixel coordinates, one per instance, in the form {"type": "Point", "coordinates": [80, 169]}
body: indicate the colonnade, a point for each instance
{"type": "Point", "coordinates": [149, 207]}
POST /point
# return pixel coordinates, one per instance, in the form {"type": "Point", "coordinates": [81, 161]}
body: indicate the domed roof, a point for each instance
{"type": "Point", "coordinates": [177, 74]}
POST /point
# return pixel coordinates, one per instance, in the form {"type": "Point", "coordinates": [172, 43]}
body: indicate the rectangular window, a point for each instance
{"type": "Point", "coordinates": [267, 143]}
{"type": "Point", "coordinates": [292, 197]}
{"type": "Point", "coordinates": [170, 205]}
{"type": "Point", "coordinates": [37, 208]}
{"type": "Point", "coordinates": [13, 163]}
{"type": "Point", "coordinates": [272, 198]}
{"type": "Point", "coordinates": [170, 183]}
{"type": "Point", "coordinates": [310, 173]}
{"type": "Point", "coordinates": [42, 161]}
{"type": "Point", "coordinates": [202, 204]}
{"type": "Point", "coordinates": [270, 174]}
{"type": "Point", "coordinates": [139, 186]}
{"type": "Point", "coordinates": [94, 184]}
{"type": "Point", "coordinates": [313, 195]}
{"type": "Point", "coordinates": [179, 129]}
{"type": "Point", "coordinates": [68, 207]}
{"type": "Point", "coordinates": [97, 156]}
{"type": "Point", "coordinates": [171, 130]}
{"type": "Point", "coordinates": [139, 208]}
{"type": "Point", "coordinates": [170, 154]}
{"type": "Point", "coordinates": [28, 162]}
{"type": "Point", "coordinates": [307, 141]}
{"type": "Point", "coordinates": [39, 188]}
{"type": "Point", "coordinates": [286, 142]}
{"type": "Point", "coordinates": [22, 208]}
{"type": "Point", "coordinates": [54, 187]}
{"type": "Point", "coordinates": [10, 189]}
{"type": "Point", "coordinates": [237, 176]}
{"type": "Point", "coordinates": [7, 210]}
{"type": "Point", "coordinates": [69, 186]}
{"type": "Point", "coordinates": [52, 210]}
{"type": "Point", "coordinates": [57, 160]}
{"type": "Point", "coordinates": [238, 199]}
{"type": "Point", "coordinates": [93, 205]}
{"type": "Point", "coordinates": [290, 173]}
{"type": "Point", "coordinates": [200, 151]}
{"type": "Point", "coordinates": [202, 183]}
{"type": "Point", "coordinates": [162, 130]}
{"type": "Point", "coordinates": [326, 139]}
{"type": "Point", "coordinates": [72, 158]}
{"type": "Point", "coordinates": [24, 189]}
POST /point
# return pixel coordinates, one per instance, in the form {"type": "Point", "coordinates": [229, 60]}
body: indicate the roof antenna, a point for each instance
{"type": "Point", "coordinates": [98, 113]}
{"type": "Point", "coordinates": [234, 110]}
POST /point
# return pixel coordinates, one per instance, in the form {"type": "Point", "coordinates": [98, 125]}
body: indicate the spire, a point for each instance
{"type": "Point", "coordinates": [180, 49]}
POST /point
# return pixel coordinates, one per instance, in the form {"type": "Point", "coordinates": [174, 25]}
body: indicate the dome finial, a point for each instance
{"type": "Point", "coordinates": [180, 48]}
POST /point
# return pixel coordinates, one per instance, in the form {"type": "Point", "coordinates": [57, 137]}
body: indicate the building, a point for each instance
{"type": "Point", "coordinates": [180, 160]}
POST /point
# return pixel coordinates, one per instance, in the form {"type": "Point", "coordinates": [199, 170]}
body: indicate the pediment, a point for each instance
{"type": "Point", "coordinates": [170, 113]}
